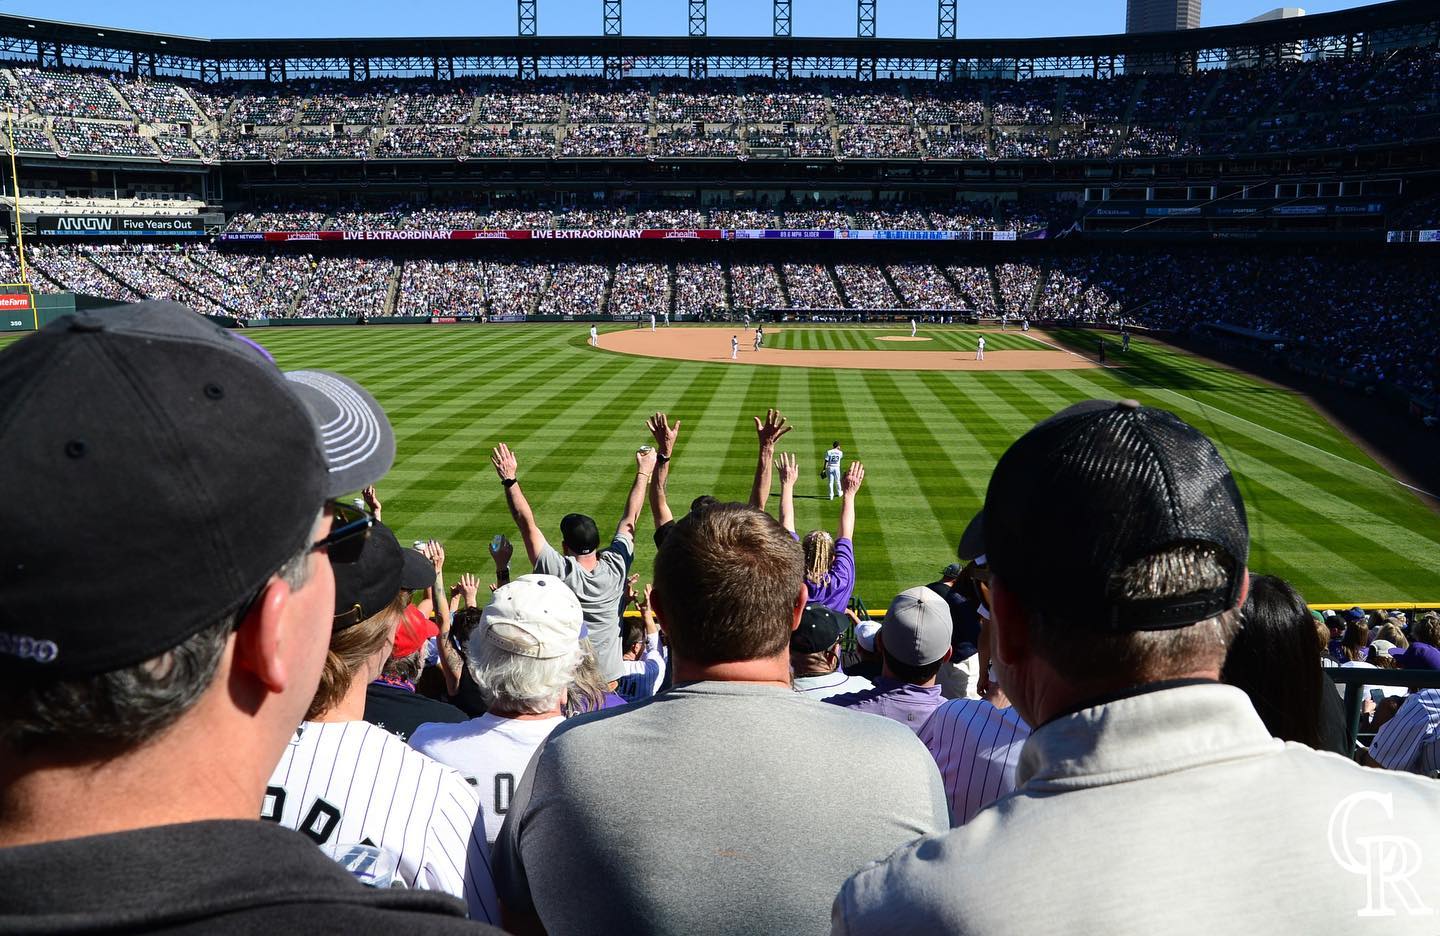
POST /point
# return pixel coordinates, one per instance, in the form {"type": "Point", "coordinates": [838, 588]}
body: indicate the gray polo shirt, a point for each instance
{"type": "Point", "coordinates": [1175, 812]}
{"type": "Point", "coordinates": [710, 808]}
{"type": "Point", "coordinates": [599, 591]}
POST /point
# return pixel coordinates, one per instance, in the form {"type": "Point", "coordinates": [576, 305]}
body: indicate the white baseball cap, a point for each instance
{"type": "Point", "coordinates": [865, 633]}
{"type": "Point", "coordinates": [535, 616]}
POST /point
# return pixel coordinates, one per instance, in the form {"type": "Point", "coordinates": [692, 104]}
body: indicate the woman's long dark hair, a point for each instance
{"type": "Point", "coordinates": [1273, 660]}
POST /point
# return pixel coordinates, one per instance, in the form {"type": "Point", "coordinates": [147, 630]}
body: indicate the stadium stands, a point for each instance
{"type": "Point", "coordinates": [1293, 105]}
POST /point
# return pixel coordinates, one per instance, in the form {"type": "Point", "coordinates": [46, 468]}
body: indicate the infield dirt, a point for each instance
{"type": "Point", "coordinates": [712, 345]}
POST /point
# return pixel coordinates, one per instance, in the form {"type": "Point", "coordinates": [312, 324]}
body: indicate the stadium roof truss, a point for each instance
{"type": "Point", "coordinates": [1363, 30]}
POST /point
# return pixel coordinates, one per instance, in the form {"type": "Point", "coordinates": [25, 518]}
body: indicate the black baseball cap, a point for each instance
{"type": "Point", "coordinates": [1097, 487]}
{"type": "Point", "coordinates": [972, 541]}
{"type": "Point", "coordinates": [579, 532]}
{"type": "Point", "coordinates": [365, 587]}
{"type": "Point", "coordinates": [157, 470]}
{"type": "Point", "coordinates": [819, 629]}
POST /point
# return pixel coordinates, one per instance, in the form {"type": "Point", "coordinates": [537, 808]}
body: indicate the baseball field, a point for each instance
{"type": "Point", "coordinates": [1322, 513]}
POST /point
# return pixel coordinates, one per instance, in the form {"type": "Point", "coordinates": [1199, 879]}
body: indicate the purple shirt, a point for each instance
{"type": "Point", "coordinates": [835, 594]}
{"type": "Point", "coordinates": [908, 704]}
{"type": "Point", "coordinates": [1419, 656]}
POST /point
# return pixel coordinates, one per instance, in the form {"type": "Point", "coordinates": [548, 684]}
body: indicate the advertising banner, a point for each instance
{"type": "Point", "coordinates": [14, 302]}
{"type": "Point", "coordinates": [443, 235]}
{"type": "Point", "coordinates": [113, 225]}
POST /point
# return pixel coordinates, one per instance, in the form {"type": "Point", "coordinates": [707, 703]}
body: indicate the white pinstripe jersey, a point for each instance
{"type": "Point", "coordinates": [976, 746]}
{"type": "Point", "coordinates": [351, 782]}
{"type": "Point", "coordinates": [1411, 739]}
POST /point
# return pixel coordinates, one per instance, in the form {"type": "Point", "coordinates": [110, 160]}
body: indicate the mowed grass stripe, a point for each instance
{"type": "Point", "coordinates": [972, 461]}
{"type": "Point", "coordinates": [935, 476]}
{"type": "Point", "coordinates": [873, 564]}
{"type": "Point", "coordinates": [534, 422]}
{"type": "Point", "coordinates": [890, 473]}
{"type": "Point", "coordinates": [549, 457]}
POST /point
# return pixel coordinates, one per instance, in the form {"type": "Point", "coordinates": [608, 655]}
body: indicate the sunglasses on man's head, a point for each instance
{"type": "Point", "coordinates": [349, 529]}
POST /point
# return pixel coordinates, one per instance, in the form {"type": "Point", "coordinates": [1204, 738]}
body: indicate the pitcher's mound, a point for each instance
{"type": "Point", "coordinates": [900, 338]}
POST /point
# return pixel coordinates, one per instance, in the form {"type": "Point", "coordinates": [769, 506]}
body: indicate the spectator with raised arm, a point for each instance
{"type": "Point", "coordinates": [830, 563]}
{"type": "Point", "coordinates": [646, 658]}
{"type": "Point", "coordinates": [597, 578]}
{"type": "Point", "coordinates": [769, 431]}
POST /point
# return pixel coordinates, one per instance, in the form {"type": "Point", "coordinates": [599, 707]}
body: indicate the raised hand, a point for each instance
{"type": "Point", "coordinates": [372, 500]}
{"type": "Point", "coordinates": [789, 471]}
{"type": "Point", "coordinates": [853, 478]}
{"type": "Point", "coordinates": [664, 433]}
{"type": "Point", "coordinates": [501, 553]}
{"type": "Point", "coordinates": [469, 587]}
{"type": "Point", "coordinates": [773, 427]}
{"type": "Point", "coordinates": [645, 462]}
{"type": "Point", "coordinates": [504, 461]}
{"type": "Point", "coordinates": [631, 597]}
{"type": "Point", "coordinates": [436, 554]}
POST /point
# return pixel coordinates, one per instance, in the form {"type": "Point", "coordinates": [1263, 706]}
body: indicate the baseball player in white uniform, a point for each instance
{"type": "Point", "coordinates": [734, 347]}
{"type": "Point", "coordinates": [977, 747]}
{"type": "Point", "coordinates": [832, 467]}
{"type": "Point", "coordinates": [666, 315]}
{"type": "Point", "coordinates": [912, 328]}
{"type": "Point", "coordinates": [594, 337]}
{"type": "Point", "coordinates": [980, 349]}
{"type": "Point", "coordinates": [652, 321]}
{"type": "Point", "coordinates": [343, 781]}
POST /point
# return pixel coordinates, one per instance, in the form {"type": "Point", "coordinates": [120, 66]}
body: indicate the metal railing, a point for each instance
{"type": "Point", "coordinates": [1356, 678]}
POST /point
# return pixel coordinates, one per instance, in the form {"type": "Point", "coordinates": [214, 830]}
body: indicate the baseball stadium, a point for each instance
{"type": "Point", "coordinates": [845, 279]}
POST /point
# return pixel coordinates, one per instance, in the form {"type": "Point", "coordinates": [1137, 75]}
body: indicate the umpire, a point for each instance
{"type": "Point", "coordinates": [165, 602]}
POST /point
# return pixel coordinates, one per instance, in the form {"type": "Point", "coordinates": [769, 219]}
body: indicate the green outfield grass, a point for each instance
{"type": "Point", "coordinates": [1322, 513]}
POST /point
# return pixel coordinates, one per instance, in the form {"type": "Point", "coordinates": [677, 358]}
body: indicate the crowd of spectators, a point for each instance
{"type": "Point", "coordinates": [700, 288]}
{"type": "Point", "coordinates": [1324, 103]}
{"type": "Point", "coordinates": [1364, 318]}
{"type": "Point", "coordinates": [99, 137]}
{"type": "Point", "coordinates": [865, 286]}
{"type": "Point", "coordinates": [923, 286]}
{"type": "Point", "coordinates": [1017, 283]}
{"type": "Point", "coordinates": [348, 287]}
{"type": "Point", "coordinates": [639, 289]}
{"type": "Point", "coordinates": [810, 286]}
{"type": "Point", "coordinates": [755, 286]}
{"type": "Point", "coordinates": [458, 214]}
{"type": "Point", "coordinates": [441, 287]}
{"type": "Point", "coordinates": [575, 288]}
{"type": "Point", "coordinates": [514, 288]}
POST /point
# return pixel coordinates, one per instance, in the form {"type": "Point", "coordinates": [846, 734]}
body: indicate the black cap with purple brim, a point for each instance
{"type": "Point", "coordinates": [157, 471]}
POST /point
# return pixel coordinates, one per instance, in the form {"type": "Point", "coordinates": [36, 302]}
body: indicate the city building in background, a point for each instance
{"type": "Point", "coordinates": [1143, 16]}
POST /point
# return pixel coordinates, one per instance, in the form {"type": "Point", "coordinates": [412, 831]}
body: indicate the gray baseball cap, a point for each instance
{"type": "Point", "coordinates": [917, 627]}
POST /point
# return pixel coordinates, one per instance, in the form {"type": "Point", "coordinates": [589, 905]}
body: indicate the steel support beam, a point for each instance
{"type": "Point", "coordinates": [699, 19]}
{"type": "Point", "coordinates": [865, 19]}
{"type": "Point", "coordinates": [611, 14]}
{"type": "Point", "coordinates": [782, 18]}
{"type": "Point", "coordinates": [526, 18]}
{"type": "Point", "coordinates": [947, 20]}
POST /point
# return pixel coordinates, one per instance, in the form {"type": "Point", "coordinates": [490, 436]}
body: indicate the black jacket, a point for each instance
{"type": "Point", "coordinates": [217, 877]}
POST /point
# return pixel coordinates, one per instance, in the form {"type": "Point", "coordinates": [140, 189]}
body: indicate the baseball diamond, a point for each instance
{"type": "Point", "coordinates": [1323, 514]}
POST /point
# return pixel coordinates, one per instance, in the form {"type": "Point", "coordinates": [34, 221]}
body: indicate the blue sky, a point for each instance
{"type": "Point", "coordinates": [896, 18]}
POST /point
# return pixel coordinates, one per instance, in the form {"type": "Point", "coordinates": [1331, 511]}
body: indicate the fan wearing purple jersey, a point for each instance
{"type": "Point", "coordinates": [829, 563]}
